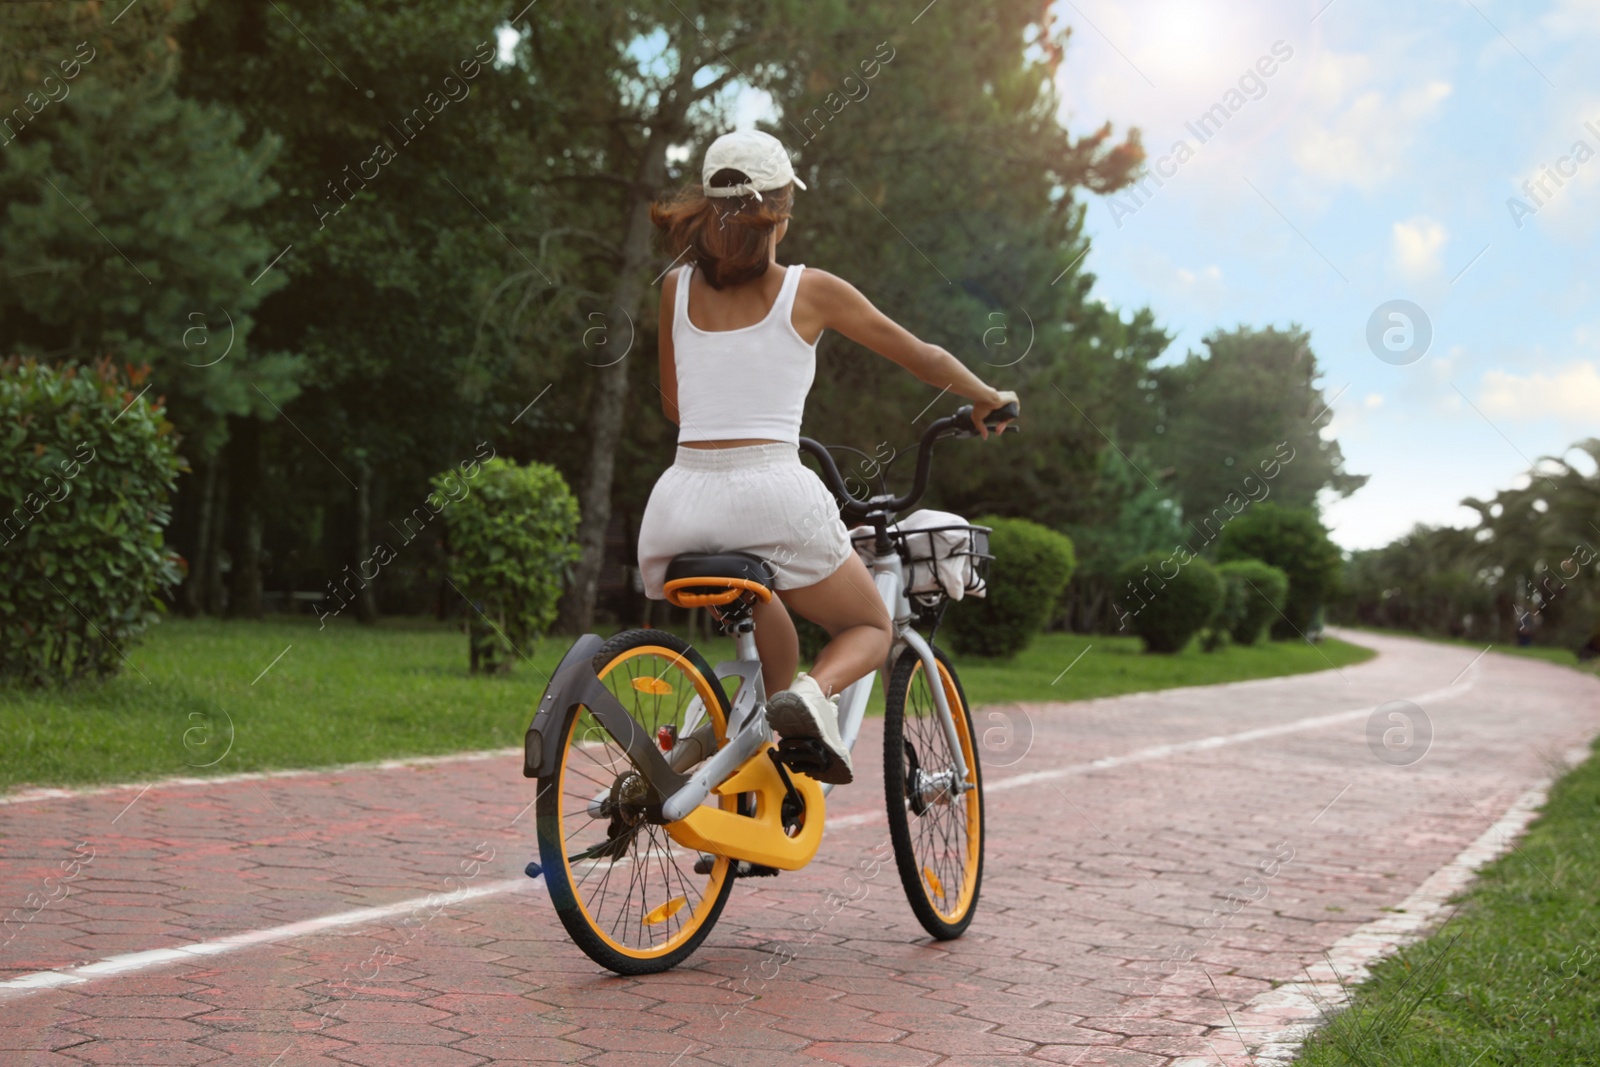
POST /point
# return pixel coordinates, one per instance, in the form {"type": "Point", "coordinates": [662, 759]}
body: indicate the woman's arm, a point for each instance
{"type": "Point", "coordinates": [665, 353]}
{"type": "Point", "coordinates": [846, 310]}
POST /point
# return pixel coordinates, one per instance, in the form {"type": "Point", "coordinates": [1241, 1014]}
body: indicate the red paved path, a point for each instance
{"type": "Point", "coordinates": [1105, 915]}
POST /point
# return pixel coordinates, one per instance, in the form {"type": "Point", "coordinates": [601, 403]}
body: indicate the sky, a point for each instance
{"type": "Point", "coordinates": [1378, 162]}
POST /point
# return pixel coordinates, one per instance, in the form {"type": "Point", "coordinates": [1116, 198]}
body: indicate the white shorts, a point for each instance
{"type": "Point", "coordinates": [756, 498]}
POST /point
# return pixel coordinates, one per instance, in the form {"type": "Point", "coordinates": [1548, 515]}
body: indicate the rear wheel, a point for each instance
{"type": "Point", "coordinates": [935, 821]}
{"type": "Point", "coordinates": [627, 894]}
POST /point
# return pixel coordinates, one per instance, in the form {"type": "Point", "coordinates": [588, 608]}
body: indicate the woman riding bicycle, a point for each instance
{"type": "Point", "coordinates": [738, 338]}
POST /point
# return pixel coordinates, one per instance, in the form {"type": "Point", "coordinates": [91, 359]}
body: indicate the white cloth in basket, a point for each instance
{"type": "Point", "coordinates": [947, 572]}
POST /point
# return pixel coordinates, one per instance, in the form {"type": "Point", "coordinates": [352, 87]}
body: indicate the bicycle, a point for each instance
{"type": "Point", "coordinates": [638, 748]}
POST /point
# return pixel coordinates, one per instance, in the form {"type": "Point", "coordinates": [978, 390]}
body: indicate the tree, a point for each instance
{"type": "Point", "coordinates": [1529, 569]}
{"type": "Point", "coordinates": [402, 206]}
{"type": "Point", "coordinates": [1229, 410]}
{"type": "Point", "coordinates": [1428, 581]}
{"type": "Point", "coordinates": [951, 195]}
{"type": "Point", "coordinates": [1126, 516]}
{"type": "Point", "coordinates": [46, 46]}
{"type": "Point", "coordinates": [124, 232]}
{"type": "Point", "coordinates": [1295, 541]}
{"type": "Point", "coordinates": [127, 231]}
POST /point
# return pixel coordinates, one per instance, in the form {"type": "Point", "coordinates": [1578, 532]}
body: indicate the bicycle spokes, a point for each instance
{"type": "Point", "coordinates": [635, 887]}
{"type": "Point", "coordinates": [941, 813]}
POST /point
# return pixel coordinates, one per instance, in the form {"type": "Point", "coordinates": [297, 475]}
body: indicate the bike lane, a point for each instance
{"type": "Point", "coordinates": [1156, 863]}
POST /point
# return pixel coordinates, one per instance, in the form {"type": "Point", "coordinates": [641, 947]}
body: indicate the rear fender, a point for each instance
{"type": "Point", "coordinates": [575, 683]}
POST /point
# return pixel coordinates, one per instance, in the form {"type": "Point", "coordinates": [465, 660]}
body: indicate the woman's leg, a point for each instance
{"type": "Point", "coordinates": [848, 606]}
{"type": "Point", "coordinates": [777, 644]}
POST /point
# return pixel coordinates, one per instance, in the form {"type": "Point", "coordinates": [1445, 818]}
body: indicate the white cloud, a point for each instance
{"type": "Point", "coordinates": [1361, 131]}
{"type": "Point", "coordinates": [1211, 274]}
{"type": "Point", "coordinates": [1569, 17]}
{"type": "Point", "coordinates": [1417, 244]}
{"type": "Point", "coordinates": [1557, 188]}
{"type": "Point", "coordinates": [1374, 400]}
{"type": "Point", "coordinates": [1571, 393]}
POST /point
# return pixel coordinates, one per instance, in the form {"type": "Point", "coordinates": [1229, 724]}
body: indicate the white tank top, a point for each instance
{"type": "Point", "coordinates": [749, 382]}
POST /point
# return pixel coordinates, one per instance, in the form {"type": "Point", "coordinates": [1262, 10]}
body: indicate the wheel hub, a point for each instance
{"type": "Point", "coordinates": [937, 788]}
{"type": "Point", "coordinates": [630, 796]}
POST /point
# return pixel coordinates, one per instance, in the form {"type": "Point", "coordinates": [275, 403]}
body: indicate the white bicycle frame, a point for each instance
{"type": "Point", "coordinates": [747, 724]}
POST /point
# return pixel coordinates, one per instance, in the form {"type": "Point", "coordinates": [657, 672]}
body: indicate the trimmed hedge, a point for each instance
{"type": "Point", "coordinates": [1166, 602]}
{"type": "Point", "coordinates": [1032, 565]}
{"type": "Point", "coordinates": [87, 466]}
{"type": "Point", "coordinates": [1257, 592]}
{"type": "Point", "coordinates": [512, 537]}
{"type": "Point", "coordinates": [1295, 541]}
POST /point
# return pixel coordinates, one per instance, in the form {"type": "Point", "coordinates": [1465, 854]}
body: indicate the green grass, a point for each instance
{"type": "Point", "coordinates": [349, 694]}
{"type": "Point", "coordinates": [1513, 980]}
{"type": "Point", "coordinates": [1565, 657]}
{"type": "Point", "coordinates": [344, 694]}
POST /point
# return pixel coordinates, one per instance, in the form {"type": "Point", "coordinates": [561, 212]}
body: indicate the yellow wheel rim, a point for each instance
{"type": "Point", "coordinates": [946, 837]}
{"type": "Point", "coordinates": [646, 901]}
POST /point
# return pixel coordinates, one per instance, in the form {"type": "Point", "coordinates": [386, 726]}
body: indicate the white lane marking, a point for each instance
{"type": "Point", "coordinates": [138, 961]}
{"type": "Point", "coordinates": [131, 962]}
{"type": "Point", "coordinates": [1290, 1012]}
{"type": "Point", "coordinates": [1155, 752]}
{"type": "Point", "coordinates": [862, 819]}
{"type": "Point", "coordinates": [32, 796]}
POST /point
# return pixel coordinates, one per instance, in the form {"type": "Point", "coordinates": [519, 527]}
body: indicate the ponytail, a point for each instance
{"type": "Point", "coordinates": [726, 238]}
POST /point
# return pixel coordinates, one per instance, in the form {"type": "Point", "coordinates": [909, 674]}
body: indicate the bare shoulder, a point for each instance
{"type": "Point", "coordinates": [826, 297]}
{"type": "Point", "coordinates": [821, 285]}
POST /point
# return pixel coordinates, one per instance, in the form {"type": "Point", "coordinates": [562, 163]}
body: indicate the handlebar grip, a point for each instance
{"type": "Point", "coordinates": [1003, 413]}
{"type": "Point", "coordinates": [961, 421]}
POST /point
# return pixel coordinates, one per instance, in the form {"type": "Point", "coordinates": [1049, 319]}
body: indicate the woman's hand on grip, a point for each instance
{"type": "Point", "coordinates": [981, 409]}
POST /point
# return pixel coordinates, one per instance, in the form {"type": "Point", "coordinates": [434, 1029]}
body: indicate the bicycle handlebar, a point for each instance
{"type": "Point", "coordinates": [958, 424]}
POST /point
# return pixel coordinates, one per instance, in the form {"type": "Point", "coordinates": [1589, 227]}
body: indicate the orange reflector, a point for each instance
{"type": "Point", "coordinates": [657, 686]}
{"type": "Point", "coordinates": [665, 911]}
{"type": "Point", "coordinates": [933, 882]}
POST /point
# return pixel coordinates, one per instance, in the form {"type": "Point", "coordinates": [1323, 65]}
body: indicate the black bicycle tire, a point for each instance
{"type": "Point", "coordinates": [556, 875]}
{"type": "Point", "coordinates": [894, 796]}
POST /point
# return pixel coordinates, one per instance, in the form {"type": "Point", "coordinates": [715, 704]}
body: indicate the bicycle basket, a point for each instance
{"type": "Point", "coordinates": [949, 560]}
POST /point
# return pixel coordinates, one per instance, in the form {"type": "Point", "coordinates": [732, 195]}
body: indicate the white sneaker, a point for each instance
{"type": "Point", "coordinates": [803, 711]}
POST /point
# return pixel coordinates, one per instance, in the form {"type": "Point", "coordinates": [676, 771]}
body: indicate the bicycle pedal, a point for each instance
{"type": "Point", "coordinates": [807, 755]}
{"type": "Point", "coordinates": [741, 868]}
{"type": "Point", "coordinates": [746, 869]}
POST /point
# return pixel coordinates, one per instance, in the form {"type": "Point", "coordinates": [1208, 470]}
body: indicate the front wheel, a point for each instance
{"type": "Point", "coordinates": [935, 819]}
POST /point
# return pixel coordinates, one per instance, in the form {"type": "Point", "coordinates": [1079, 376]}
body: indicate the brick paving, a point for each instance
{"type": "Point", "coordinates": [1123, 908]}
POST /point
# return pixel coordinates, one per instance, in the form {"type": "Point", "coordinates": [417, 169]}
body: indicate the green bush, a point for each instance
{"type": "Point", "coordinates": [1168, 602]}
{"type": "Point", "coordinates": [512, 536]}
{"type": "Point", "coordinates": [1295, 541]}
{"type": "Point", "coordinates": [1257, 592]}
{"type": "Point", "coordinates": [1032, 565]}
{"type": "Point", "coordinates": [86, 469]}
{"type": "Point", "coordinates": [1219, 631]}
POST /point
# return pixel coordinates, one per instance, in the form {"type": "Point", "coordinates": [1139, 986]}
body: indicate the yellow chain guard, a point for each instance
{"type": "Point", "coordinates": [758, 838]}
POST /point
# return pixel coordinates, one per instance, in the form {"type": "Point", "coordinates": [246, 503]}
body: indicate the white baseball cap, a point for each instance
{"type": "Point", "coordinates": [759, 156]}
